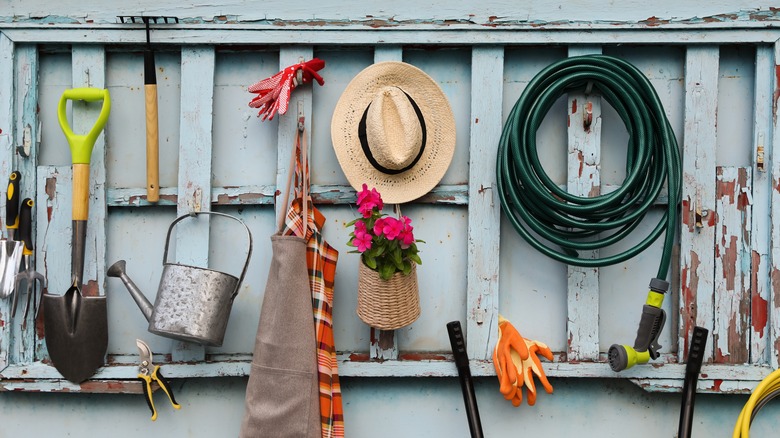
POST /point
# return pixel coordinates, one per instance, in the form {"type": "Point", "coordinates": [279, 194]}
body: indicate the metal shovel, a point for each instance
{"type": "Point", "coordinates": [76, 326]}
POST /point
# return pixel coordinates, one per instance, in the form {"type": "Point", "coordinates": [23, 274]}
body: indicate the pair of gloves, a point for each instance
{"type": "Point", "coordinates": [273, 94]}
{"type": "Point", "coordinates": [516, 360]}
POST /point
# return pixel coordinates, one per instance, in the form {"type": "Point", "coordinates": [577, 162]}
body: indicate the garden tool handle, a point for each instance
{"type": "Point", "coordinates": [147, 388]}
{"type": "Point", "coordinates": [25, 226]}
{"type": "Point", "coordinates": [12, 201]}
{"type": "Point", "coordinates": [692, 369]}
{"type": "Point", "coordinates": [458, 345]}
{"type": "Point", "coordinates": [81, 145]}
{"type": "Point", "coordinates": [152, 128]}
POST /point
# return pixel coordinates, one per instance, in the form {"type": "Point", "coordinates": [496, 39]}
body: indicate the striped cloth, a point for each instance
{"type": "Point", "coordinates": [321, 261]}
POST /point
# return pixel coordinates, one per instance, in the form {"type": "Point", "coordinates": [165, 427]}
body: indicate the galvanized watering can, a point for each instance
{"type": "Point", "coordinates": [193, 304]}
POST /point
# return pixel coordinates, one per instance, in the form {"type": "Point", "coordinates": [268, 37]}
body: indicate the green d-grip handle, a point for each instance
{"type": "Point", "coordinates": [81, 145]}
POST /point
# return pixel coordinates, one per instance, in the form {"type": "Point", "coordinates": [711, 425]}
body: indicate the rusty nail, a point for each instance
{"type": "Point", "coordinates": [587, 118]}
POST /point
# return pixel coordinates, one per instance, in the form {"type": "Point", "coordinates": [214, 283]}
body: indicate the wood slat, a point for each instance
{"type": "Point", "coordinates": [584, 180]}
{"type": "Point", "coordinates": [26, 134]}
{"type": "Point", "coordinates": [383, 344]}
{"type": "Point", "coordinates": [760, 234]}
{"type": "Point", "coordinates": [698, 221]}
{"type": "Point", "coordinates": [774, 269]}
{"type": "Point", "coordinates": [6, 163]}
{"type": "Point", "coordinates": [731, 328]}
{"type": "Point", "coordinates": [195, 150]}
{"type": "Point", "coordinates": [484, 209]}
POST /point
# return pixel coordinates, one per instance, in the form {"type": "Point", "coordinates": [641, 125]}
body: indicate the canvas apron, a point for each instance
{"type": "Point", "coordinates": [321, 259]}
{"type": "Point", "coordinates": [282, 392]}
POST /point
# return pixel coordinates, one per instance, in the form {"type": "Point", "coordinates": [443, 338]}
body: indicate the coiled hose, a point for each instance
{"type": "Point", "coordinates": [559, 224]}
{"type": "Point", "coordinates": [768, 389]}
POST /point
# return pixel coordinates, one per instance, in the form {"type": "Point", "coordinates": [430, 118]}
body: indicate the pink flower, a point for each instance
{"type": "Point", "coordinates": [379, 226]}
{"type": "Point", "coordinates": [363, 242]}
{"type": "Point", "coordinates": [406, 236]}
{"type": "Point", "coordinates": [367, 200]}
{"type": "Point", "coordinates": [391, 227]}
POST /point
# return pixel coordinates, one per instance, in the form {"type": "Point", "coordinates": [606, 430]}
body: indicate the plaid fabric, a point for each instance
{"type": "Point", "coordinates": [321, 261]}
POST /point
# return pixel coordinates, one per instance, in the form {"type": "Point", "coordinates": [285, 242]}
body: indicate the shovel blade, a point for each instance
{"type": "Point", "coordinates": [76, 330]}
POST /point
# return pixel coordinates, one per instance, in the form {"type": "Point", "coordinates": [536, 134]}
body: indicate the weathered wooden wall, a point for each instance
{"type": "Point", "coordinates": [712, 63]}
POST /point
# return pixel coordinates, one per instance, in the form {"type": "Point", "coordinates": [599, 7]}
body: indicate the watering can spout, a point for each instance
{"type": "Point", "coordinates": [118, 270]}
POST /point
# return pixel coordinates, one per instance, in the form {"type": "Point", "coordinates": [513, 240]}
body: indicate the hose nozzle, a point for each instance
{"type": "Point", "coordinates": [646, 345]}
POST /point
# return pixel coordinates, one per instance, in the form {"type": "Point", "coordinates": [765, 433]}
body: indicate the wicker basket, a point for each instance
{"type": "Point", "coordinates": [387, 304]}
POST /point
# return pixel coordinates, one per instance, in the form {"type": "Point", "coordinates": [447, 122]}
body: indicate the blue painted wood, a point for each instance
{"type": "Point", "coordinates": [484, 210]}
{"type": "Point", "coordinates": [774, 168]}
{"type": "Point", "coordinates": [6, 162]}
{"type": "Point", "coordinates": [192, 236]}
{"type": "Point", "coordinates": [584, 180]}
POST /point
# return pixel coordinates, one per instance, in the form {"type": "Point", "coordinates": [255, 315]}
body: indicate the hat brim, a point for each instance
{"type": "Point", "coordinates": [439, 123]}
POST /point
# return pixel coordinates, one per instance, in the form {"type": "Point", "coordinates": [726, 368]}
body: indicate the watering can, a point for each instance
{"type": "Point", "coordinates": [193, 304]}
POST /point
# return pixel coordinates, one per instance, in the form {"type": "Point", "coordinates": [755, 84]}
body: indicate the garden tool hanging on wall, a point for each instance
{"type": "Point", "coordinates": [150, 98]}
{"type": "Point", "coordinates": [560, 224]}
{"type": "Point", "coordinates": [12, 248]}
{"type": "Point", "coordinates": [76, 325]}
{"type": "Point", "coordinates": [193, 303]}
{"type": "Point", "coordinates": [29, 276]}
{"type": "Point", "coordinates": [458, 344]}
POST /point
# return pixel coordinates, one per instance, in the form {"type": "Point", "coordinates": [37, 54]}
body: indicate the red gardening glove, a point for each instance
{"type": "Point", "coordinates": [273, 94]}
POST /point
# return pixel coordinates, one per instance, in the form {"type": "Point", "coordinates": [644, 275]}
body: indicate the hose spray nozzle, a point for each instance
{"type": "Point", "coordinates": [646, 345]}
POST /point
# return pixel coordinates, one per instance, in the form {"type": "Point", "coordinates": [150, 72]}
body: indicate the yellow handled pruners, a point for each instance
{"type": "Point", "coordinates": [148, 372]}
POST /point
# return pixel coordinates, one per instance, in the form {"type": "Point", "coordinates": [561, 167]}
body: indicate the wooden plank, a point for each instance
{"type": "Point", "coordinates": [195, 149]}
{"type": "Point", "coordinates": [7, 51]}
{"type": "Point", "coordinates": [330, 194]}
{"type": "Point", "coordinates": [761, 226]}
{"type": "Point", "coordinates": [774, 269]}
{"type": "Point", "coordinates": [698, 220]}
{"type": "Point", "coordinates": [383, 344]}
{"type": "Point", "coordinates": [584, 180]}
{"type": "Point", "coordinates": [484, 209]}
{"type": "Point", "coordinates": [408, 34]}
{"type": "Point", "coordinates": [731, 331]}
{"type": "Point", "coordinates": [26, 134]}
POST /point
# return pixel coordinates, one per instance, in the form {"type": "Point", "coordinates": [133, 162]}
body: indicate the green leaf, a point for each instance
{"type": "Point", "coordinates": [380, 249]}
{"type": "Point", "coordinates": [415, 258]}
{"type": "Point", "coordinates": [351, 223]}
{"type": "Point", "coordinates": [386, 272]}
{"type": "Point", "coordinates": [407, 268]}
{"type": "Point", "coordinates": [370, 262]}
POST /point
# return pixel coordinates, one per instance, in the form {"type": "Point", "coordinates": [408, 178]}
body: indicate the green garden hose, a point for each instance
{"type": "Point", "coordinates": [560, 224]}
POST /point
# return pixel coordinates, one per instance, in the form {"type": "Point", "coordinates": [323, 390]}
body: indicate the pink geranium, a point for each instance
{"type": "Point", "coordinates": [406, 236]}
{"type": "Point", "coordinates": [367, 200]}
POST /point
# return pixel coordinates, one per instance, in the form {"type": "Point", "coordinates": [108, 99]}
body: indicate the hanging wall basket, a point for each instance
{"type": "Point", "coordinates": [388, 304]}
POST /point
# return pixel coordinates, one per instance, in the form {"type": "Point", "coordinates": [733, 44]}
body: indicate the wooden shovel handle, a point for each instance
{"type": "Point", "coordinates": [152, 145]}
{"type": "Point", "coordinates": [80, 192]}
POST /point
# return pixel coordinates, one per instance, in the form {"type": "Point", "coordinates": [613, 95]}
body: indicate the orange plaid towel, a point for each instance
{"type": "Point", "coordinates": [321, 261]}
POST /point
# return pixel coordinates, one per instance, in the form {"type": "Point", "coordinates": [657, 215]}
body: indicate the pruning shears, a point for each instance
{"type": "Point", "coordinates": [148, 372]}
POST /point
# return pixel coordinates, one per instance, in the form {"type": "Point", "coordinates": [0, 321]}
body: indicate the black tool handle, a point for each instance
{"type": "Point", "coordinates": [146, 385]}
{"type": "Point", "coordinates": [692, 369]}
{"type": "Point", "coordinates": [12, 201]}
{"type": "Point", "coordinates": [25, 225]}
{"type": "Point", "coordinates": [458, 344]}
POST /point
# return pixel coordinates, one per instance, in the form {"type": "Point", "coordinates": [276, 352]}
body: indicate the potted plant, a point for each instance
{"type": "Point", "coordinates": [388, 295]}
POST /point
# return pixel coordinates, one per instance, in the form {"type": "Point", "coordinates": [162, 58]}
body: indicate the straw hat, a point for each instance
{"type": "Point", "coordinates": [393, 129]}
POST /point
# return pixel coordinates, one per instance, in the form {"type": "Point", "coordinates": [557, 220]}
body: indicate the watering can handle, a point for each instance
{"type": "Point", "coordinates": [81, 145]}
{"type": "Point", "coordinates": [195, 213]}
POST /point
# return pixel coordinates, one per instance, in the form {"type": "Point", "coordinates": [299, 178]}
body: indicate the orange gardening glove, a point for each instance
{"type": "Point", "coordinates": [508, 356]}
{"type": "Point", "coordinates": [516, 364]}
{"type": "Point", "coordinates": [532, 366]}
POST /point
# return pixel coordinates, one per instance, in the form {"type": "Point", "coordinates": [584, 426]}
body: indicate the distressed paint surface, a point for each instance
{"type": "Point", "coordinates": [584, 180]}
{"type": "Point", "coordinates": [698, 219]}
{"type": "Point", "coordinates": [761, 226]}
{"type": "Point", "coordinates": [774, 269]}
{"type": "Point", "coordinates": [731, 328]}
{"type": "Point", "coordinates": [6, 163]}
